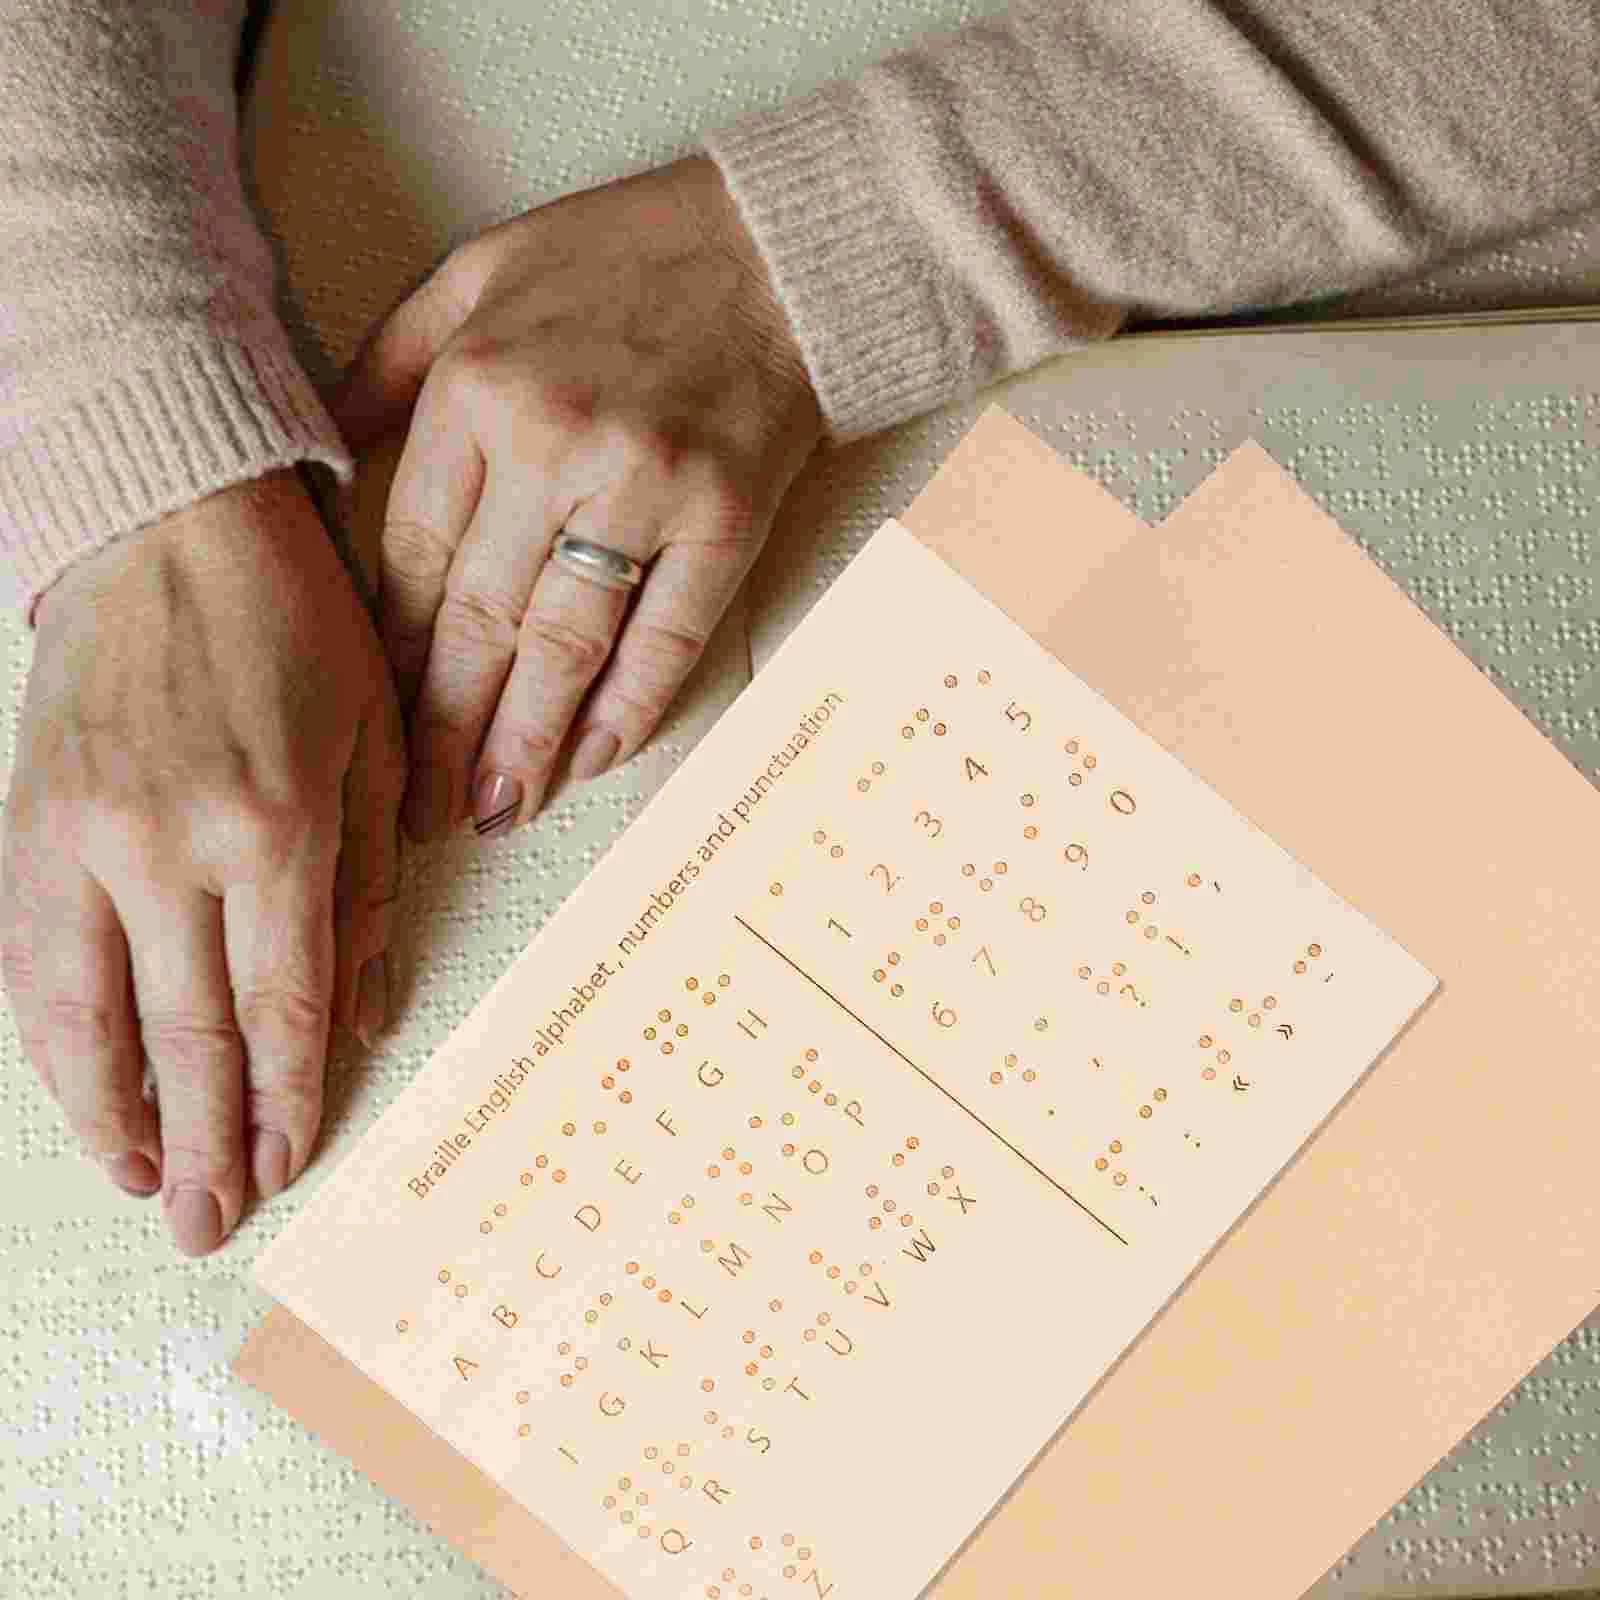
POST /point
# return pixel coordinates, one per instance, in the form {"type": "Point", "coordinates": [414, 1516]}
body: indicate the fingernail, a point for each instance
{"type": "Point", "coordinates": [427, 802]}
{"type": "Point", "coordinates": [499, 799]}
{"type": "Point", "coordinates": [372, 998]}
{"type": "Point", "coordinates": [594, 753]}
{"type": "Point", "coordinates": [272, 1161]}
{"type": "Point", "coordinates": [133, 1171]}
{"type": "Point", "coordinates": [196, 1220]}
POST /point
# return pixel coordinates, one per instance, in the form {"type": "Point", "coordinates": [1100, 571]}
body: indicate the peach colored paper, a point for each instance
{"type": "Point", "coordinates": [1359, 1246]}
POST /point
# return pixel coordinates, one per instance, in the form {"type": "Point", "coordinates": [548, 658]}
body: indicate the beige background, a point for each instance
{"type": "Point", "coordinates": [133, 1463]}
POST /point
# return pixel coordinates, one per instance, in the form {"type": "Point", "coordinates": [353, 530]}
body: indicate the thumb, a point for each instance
{"type": "Point", "coordinates": [379, 389]}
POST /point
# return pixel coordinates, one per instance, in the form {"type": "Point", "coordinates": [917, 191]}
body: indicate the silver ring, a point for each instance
{"type": "Point", "coordinates": [597, 561]}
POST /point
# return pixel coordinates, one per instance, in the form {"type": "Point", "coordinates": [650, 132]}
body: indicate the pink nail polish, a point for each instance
{"type": "Point", "coordinates": [499, 799]}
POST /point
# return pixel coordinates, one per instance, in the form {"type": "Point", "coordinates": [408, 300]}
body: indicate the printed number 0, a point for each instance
{"type": "Point", "coordinates": [1032, 909]}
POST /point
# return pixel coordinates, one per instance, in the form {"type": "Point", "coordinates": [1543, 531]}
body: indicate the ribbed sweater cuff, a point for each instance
{"type": "Point", "coordinates": [861, 292]}
{"type": "Point", "coordinates": [205, 412]}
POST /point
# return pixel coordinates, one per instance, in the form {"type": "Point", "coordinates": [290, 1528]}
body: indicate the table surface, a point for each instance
{"type": "Point", "coordinates": [134, 1463]}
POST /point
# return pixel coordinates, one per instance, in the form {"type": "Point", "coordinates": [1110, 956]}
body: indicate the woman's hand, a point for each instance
{"type": "Point", "coordinates": [616, 364]}
{"type": "Point", "coordinates": [201, 845]}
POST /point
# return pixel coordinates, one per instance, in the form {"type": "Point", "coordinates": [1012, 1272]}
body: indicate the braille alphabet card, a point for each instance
{"type": "Point", "coordinates": [1019, 936]}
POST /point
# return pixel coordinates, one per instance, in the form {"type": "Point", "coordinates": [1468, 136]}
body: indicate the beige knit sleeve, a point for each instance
{"type": "Point", "coordinates": [142, 365]}
{"type": "Point", "coordinates": [1014, 189]}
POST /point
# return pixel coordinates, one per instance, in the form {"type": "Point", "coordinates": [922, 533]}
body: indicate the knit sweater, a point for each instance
{"type": "Point", "coordinates": [959, 210]}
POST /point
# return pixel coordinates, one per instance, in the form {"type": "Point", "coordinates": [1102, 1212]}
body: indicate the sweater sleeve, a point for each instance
{"type": "Point", "coordinates": [142, 364]}
{"type": "Point", "coordinates": [1014, 189]}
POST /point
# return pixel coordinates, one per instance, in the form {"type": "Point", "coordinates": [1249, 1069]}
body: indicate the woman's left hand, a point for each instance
{"type": "Point", "coordinates": [615, 364]}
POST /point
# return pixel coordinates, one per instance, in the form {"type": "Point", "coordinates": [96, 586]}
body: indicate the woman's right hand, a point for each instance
{"type": "Point", "coordinates": [201, 845]}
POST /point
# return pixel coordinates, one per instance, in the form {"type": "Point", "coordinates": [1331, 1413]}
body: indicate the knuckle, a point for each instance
{"type": "Point", "coordinates": [289, 1097]}
{"type": "Point", "coordinates": [286, 1010]}
{"type": "Point", "coordinates": [666, 653]}
{"type": "Point", "coordinates": [730, 508]}
{"type": "Point", "coordinates": [212, 1165]}
{"type": "Point", "coordinates": [580, 654]}
{"type": "Point", "coordinates": [654, 448]}
{"type": "Point", "coordinates": [272, 839]}
{"type": "Point", "coordinates": [529, 749]}
{"type": "Point", "coordinates": [478, 618]}
{"type": "Point", "coordinates": [565, 406]}
{"type": "Point", "coordinates": [110, 1128]}
{"type": "Point", "coordinates": [414, 550]}
{"type": "Point", "coordinates": [192, 1047]}
{"type": "Point", "coordinates": [84, 1030]}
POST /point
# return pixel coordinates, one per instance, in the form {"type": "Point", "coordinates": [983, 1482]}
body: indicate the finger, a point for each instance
{"type": "Point", "coordinates": [86, 1024]}
{"type": "Point", "coordinates": [564, 640]}
{"type": "Point", "coordinates": [180, 983]}
{"type": "Point", "coordinates": [477, 631]}
{"type": "Point", "coordinates": [368, 880]}
{"type": "Point", "coordinates": [278, 938]}
{"type": "Point", "coordinates": [689, 586]}
{"type": "Point", "coordinates": [436, 486]}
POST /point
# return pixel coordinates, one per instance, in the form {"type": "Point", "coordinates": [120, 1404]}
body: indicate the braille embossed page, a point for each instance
{"type": "Point", "coordinates": [849, 1121]}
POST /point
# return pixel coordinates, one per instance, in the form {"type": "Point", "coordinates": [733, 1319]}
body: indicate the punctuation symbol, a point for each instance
{"type": "Point", "coordinates": [1253, 1019]}
{"type": "Point", "coordinates": [1151, 931]}
{"type": "Point", "coordinates": [835, 850]}
{"type": "Point", "coordinates": [863, 784]}
{"type": "Point", "coordinates": [1027, 801]}
{"type": "Point", "coordinates": [1103, 985]}
{"type": "Point", "coordinates": [1224, 1056]}
{"type": "Point", "coordinates": [1189, 1137]}
{"type": "Point", "coordinates": [983, 674]}
{"type": "Point", "coordinates": [1194, 881]}
{"type": "Point", "coordinates": [1147, 1110]}
{"type": "Point", "coordinates": [1314, 951]}
{"type": "Point", "coordinates": [936, 909]}
{"type": "Point", "coordinates": [1102, 1163]}
{"type": "Point", "coordinates": [1241, 1084]}
{"type": "Point", "coordinates": [1285, 1030]}
{"type": "Point", "coordinates": [879, 974]}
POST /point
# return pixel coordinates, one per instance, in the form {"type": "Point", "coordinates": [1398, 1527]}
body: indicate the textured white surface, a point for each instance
{"type": "Point", "coordinates": [132, 1464]}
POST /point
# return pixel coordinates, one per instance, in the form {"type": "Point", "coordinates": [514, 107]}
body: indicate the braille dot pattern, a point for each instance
{"type": "Point", "coordinates": [115, 1393]}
